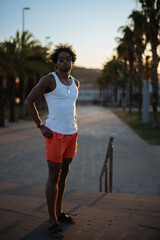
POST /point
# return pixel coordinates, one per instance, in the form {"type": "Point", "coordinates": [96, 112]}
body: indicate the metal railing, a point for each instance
{"type": "Point", "coordinates": [108, 167]}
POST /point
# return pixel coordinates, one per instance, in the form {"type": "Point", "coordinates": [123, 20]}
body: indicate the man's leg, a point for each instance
{"type": "Point", "coordinates": [52, 189]}
{"type": "Point", "coordinates": [62, 182]}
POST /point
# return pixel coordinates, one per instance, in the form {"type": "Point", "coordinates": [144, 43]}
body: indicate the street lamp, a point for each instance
{"type": "Point", "coordinates": [26, 8]}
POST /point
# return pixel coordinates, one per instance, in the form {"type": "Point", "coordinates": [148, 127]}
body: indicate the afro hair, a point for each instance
{"type": "Point", "coordinates": [63, 48]}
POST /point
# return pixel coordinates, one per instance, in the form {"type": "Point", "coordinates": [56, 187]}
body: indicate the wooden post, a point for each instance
{"type": "Point", "coordinates": [111, 169]}
{"type": "Point", "coordinates": [100, 185]}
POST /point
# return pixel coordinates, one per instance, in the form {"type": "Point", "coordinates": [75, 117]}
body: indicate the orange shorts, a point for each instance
{"type": "Point", "coordinates": [61, 146]}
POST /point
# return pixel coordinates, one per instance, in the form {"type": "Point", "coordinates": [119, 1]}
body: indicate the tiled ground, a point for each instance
{"type": "Point", "coordinates": [98, 215]}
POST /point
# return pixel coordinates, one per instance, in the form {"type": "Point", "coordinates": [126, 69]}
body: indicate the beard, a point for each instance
{"type": "Point", "coordinates": [65, 68]}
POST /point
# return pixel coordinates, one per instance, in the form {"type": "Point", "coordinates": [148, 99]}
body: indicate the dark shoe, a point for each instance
{"type": "Point", "coordinates": [56, 230]}
{"type": "Point", "coordinates": [63, 217]}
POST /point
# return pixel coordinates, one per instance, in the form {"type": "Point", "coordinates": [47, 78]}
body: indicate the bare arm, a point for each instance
{"type": "Point", "coordinates": [36, 93]}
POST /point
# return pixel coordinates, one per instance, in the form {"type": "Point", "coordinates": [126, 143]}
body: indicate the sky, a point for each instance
{"type": "Point", "coordinates": [90, 26]}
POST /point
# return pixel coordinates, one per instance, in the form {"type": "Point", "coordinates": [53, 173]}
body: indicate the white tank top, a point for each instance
{"type": "Point", "coordinates": [62, 109]}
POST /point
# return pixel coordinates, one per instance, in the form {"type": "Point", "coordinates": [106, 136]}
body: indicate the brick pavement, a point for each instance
{"type": "Point", "coordinates": [23, 215]}
{"type": "Point", "coordinates": [136, 163]}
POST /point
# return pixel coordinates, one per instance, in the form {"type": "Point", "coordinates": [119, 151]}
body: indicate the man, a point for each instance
{"type": "Point", "coordinates": [60, 90]}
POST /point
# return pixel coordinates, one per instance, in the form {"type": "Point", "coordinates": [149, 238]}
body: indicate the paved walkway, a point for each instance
{"type": "Point", "coordinates": [136, 163]}
{"type": "Point", "coordinates": [23, 210]}
{"type": "Point", "coordinates": [99, 216]}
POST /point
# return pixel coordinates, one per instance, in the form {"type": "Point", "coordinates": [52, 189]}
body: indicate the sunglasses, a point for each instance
{"type": "Point", "coordinates": [67, 58]}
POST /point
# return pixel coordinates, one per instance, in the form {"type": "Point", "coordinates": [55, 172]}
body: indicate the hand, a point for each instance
{"type": "Point", "coordinates": [47, 133]}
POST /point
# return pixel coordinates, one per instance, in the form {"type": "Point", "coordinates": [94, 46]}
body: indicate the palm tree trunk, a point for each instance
{"type": "Point", "coordinates": [147, 68]}
{"type": "Point", "coordinates": [130, 84]}
{"type": "Point", "coordinates": [30, 85]}
{"type": "Point", "coordinates": [106, 94]}
{"type": "Point", "coordinates": [22, 97]}
{"type": "Point", "coordinates": [139, 85]}
{"type": "Point", "coordinates": [115, 90]}
{"type": "Point", "coordinates": [124, 95]}
{"type": "Point", "coordinates": [2, 119]}
{"type": "Point", "coordinates": [11, 81]}
{"type": "Point", "coordinates": [155, 85]}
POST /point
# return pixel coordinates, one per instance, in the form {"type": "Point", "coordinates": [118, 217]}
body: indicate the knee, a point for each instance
{"type": "Point", "coordinates": [66, 166]}
{"type": "Point", "coordinates": [54, 172]}
{"type": "Point", "coordinates": [54, 177]}
{"type": "Point", "coordinates": [65, 171]}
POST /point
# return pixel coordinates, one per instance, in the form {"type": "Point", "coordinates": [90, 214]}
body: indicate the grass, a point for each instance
{"type": "Point", "coordinates": [145, 131]}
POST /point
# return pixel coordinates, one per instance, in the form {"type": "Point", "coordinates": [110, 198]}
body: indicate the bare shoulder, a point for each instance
{"type": "Point", "coordinates": [47, 79]}
{"type": "Point", "coordinates": [47, 82]}
{"type": "Point", "coordinates": [77, 82]}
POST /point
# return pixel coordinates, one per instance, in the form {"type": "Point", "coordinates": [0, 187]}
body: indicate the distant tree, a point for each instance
{"type": "Point", "coordinates": [2, 119]}
{"type": "Point", "coordinates": [151, 10]}
{"type": "Point", "coordinates": [2, 74]}
{"type": "Point", "coordinates": [114, 67]}
{"type": "Point", "coordinates": [24, 57]}
{"type": "Point", "coordinates": [110, 76]}
{"type": "Point", "coordinates": [147, 69]}
{"type": "Point", "coordinates": [9, 70]}
{"type": "Point", "coordinates": [122, 55]}
{"type": "Point", "coordinates": [128, 42]}
{"type": "Point", "coordinates": [24, 44]}
{"type": "Point", "coordinates": [36, 66]}
{"type": "Point", "coordinates": [104, 82]}
{"type": "Point", "coordinates": [139, 26]}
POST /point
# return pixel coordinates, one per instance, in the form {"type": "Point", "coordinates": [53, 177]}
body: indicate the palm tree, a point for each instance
{"type": "Point", "coordinates": [8, 60]}
{"type": "Point", "coordinates": [21, 56]}
{"type": "Point", "coordinates": [105, 82]}
{"type": "Point", "coordinates": [150, 8]}
{"type": "Point", "coordinates": [114, 68]}
{"type": "Point", "coordinates": [138, 21]}
{"type": "Point", "coordinates": [24, 44]}
{"type": "Point", "coordinates": [128, 42]}
{"type": "Point", "coordinates": [122, 55]}
{"type": "Point", "coordinates": [2, 119]}
{"type": "Point", "coordinates": [147, 68]}
{"type": "Point", "coordinates": [30, 61]}
{"type": "Point", "coordinates": [110, 78]}
{"type": "Point", "coordinates": [35, 67]}
{"type": "Point", "coordinates": [2, 73]}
